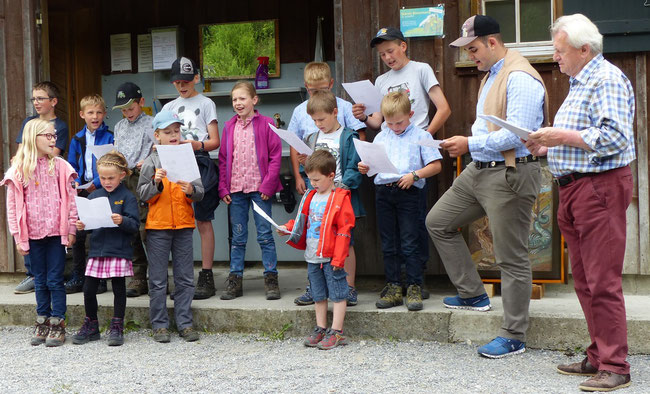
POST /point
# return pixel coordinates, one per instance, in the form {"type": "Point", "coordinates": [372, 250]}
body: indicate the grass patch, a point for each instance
{"type": "Point", "coordinates": [277, 335]}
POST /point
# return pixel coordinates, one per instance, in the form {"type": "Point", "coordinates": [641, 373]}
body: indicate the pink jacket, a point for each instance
{"type": "Point", "coordinates": [17, 209]}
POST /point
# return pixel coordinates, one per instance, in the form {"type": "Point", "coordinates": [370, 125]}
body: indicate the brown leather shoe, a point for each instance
{"type": "Point", "coordinates": [605, 381]}
{"type": "Point", "coordinates": [583, 368]}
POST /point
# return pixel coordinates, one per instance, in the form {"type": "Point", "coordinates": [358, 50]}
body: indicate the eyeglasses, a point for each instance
{"type": "Point", "coordinates": [39, 99]}
{"type": "Point", "coordinates": [49, 136]}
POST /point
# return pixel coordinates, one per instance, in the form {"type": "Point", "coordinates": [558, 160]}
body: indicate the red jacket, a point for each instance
{"type": "Point", "coordinates": [338, 222]}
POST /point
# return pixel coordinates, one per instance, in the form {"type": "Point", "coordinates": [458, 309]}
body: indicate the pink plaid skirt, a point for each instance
{"type": "Point", "coordinates": [108, 267]}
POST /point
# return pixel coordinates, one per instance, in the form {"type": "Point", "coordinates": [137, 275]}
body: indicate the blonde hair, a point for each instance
{"type": "Point", "coordinates": [321, 101]}
{"type": "Point", "coordinates": [316, 72]}
{"type": "Point", "coordinates": [25, 160]}
{"type": "Point", "coordinates": [114, 159]}
{"type": "Point", "coordinates": [395, 103]}
{"type": "Point", "coordinates": [247, 86]}
{"type": "Point", "coordinates": [93, 99]}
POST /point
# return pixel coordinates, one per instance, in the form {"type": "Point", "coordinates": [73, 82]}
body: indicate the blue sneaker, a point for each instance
{"type": "Point", "coordinates": [480, 303]}
{"type": "Point", "coordinates": [304, 299]}
{"type": "Point", "coordinates": [501, 347]}
{"type": "Point", "coordinates": [352, 296]}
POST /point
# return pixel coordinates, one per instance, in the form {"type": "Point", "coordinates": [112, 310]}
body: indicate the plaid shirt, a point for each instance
{"type": "Point", "coordinates": [600, 105]}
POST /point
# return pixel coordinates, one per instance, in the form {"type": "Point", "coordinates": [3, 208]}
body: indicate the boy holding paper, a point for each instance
{"type": "Point", "coordinates": [398, 199]}
{"type": "Point", "coordinates": [170, 224]}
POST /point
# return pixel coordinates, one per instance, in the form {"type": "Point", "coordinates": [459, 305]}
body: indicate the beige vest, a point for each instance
{"type": "Point", "coordinates": [496, 100]}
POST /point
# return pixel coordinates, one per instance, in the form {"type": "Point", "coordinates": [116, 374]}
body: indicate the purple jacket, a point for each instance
{"type": "Point", "coordinates": [268, 147]}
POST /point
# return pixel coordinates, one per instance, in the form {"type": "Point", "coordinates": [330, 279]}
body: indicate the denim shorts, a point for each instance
{"type": "Point", "coordinates": [326, 282]}
{"type": "Point", "coordinates": [204, 209]}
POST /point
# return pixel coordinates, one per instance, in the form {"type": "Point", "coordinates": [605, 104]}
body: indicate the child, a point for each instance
{"type": "Point", "coordinates": [200, 128]}
{"type": "Point", "coordinates": [170, 223]}
{"type": "Point", "coordinates": [397, 199]}
{"type": "Point", "coordinates": [133, 140]}
{"type": "Point", "coordinates": [95, 132]}
{"type": "Point", "coordinates": [41, 213]}
{"type": "Point", "coordinates": [110, 250]}
{"type": "Point", "coordinates": [325, 208]}
{"type": "Point", "coordinates": [45, 96]}
{"type": "Point", "coordinates": [249, 164]}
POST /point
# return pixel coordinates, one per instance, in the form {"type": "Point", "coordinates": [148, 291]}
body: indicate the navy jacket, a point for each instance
{"type": "Point", "coordinates": [77, 153]}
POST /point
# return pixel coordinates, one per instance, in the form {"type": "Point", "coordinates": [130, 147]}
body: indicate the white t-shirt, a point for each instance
{"type": "Point", "coordinates": [196, 112]}
{"type": "Point", "coordinates": [331, 142]}
{"type": "Point", "coordinates": [416, 79]}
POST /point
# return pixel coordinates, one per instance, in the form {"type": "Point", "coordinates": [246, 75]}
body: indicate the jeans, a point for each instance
{"type": "Point", "coordinates": [239, 207]}
{"type": "Point", "coordinates": [28, 266]}
{"type": "Point", "coordinates": [326, 282]}
{"type": "Point", "coordinates": [47, 265]}
{"type": "Point", "coordinates": [399, 209]}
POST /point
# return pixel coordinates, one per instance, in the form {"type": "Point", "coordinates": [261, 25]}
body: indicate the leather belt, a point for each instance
{"type": "Point", "coordinates": [567, 179]}
{"type": "Point", "coordinates": [518, 160]}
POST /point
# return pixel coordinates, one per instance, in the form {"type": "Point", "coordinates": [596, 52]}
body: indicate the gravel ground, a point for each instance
{"type": "Point", "coordinates": [232, 363]}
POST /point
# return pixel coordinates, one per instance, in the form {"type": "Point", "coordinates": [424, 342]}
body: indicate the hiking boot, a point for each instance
{"type": "Point", "coordinates": [205, 286]}
{"type": "Point", "coordinates": [116, 333]}
{"type": "Point", "coordinates": [161, 335]}
{"type": "Point", "coordinates": [271, 286]}
{"type": "Point", "coordinates": [501, 347]}
{"type": "Point", "coordinates": [315, 337]}
{"type": "Point", "coordinates": [233, 288]}
{"type": "Point", "coordinates": [479, 303]}
{"type": "Point", "coordinates": [351, 299]}
{"type": "Point", "coordinates": [137, 287]}
{"type": "Point", "coordinates": [189, 335]}
{"type": "Point", "coordinates": [391, 296]}
{"type": "Point", "coordinates": [89, 331]}
{"type": "Point", "coordinates": [583, 368]}
{"type": "Point", "coordinates": [606, 381]}
{"type": "Point", "coordinates": [425, 294]}
{"type": "Point", "coordinates": [56, 336]}
{"type": "Point", "coordinates": [41, 330]}
{"type": "Point", "coordinates": [102, 287]}
{"type": "Point", "coordinates": [414, 298]}
{"type": "Point", "coordinates": [305, 298]}
{"type": "Point", "coordinates": [25, 286]}
{"type": "Point", "coordinates": [74, 285]}
{"type": "Point", "coordinates": [333, 338]}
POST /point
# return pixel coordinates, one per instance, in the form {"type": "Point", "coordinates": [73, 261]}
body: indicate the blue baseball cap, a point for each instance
{"type": "Point", "coordinates": [164, 119]}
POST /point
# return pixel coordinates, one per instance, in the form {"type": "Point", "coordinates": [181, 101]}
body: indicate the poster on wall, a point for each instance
{"type": "Point", "coordinates": [145, 56]}
{"type": "Point", "coordinates": [120, 52]}
{"type": "Point", "coordinates": [422, 22]}
{"type": "Point", "coordinates": [164, 48]}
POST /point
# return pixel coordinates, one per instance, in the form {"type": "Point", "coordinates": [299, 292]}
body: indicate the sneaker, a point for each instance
{"type": "Point", "coordinates": [480, 303]}
{"type": "Point", "coordinates": [352, 296]}
{"type": "Point", "coordinates": [56, 336]}
{"type": "Point", "coordinates": [116, 333]}
{"type": "Point", "coordinates": [233, 288]}
{"type": "Point", "coordinates": [501, 347]}
{"type": "Point", "coordinates": [305, 298]}
{"type": "Point", "coordinates": [25, 286]}
{"type": "Point", "coordinates": [414, 298]}
{"type": "Point", "coordinates": [89, 331]}
{"type": "Point", "coordinates": [161, 335]}
{"type": "Point", "coordinates": [41, 330]}
{"type": "Point", "coordinates": [103, 286]}
{"type": "Point", "coordinates": [137, 287]}
{"type": "Point", "coordinates": [205, 285]}
{"type": "Point", "coordinates": [391, 296]}
{"type": "Point", "coordinates": [189, 335]}
{"type": "Point", "coordinates": [315, 337]}
{"type": "Point", "coordinates": [333, 338]}
{"type": "Point", "coordinates": [606, 381]}
{"type": "Point", "coordinates": [74, 285]}
{"type": "Point", "coordinates": [271, 286]}
{"type": "Point", "coordinates": [583, 368]}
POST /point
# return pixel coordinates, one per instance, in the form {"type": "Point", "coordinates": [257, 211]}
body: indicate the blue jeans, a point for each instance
{"type": "Point", "coordinates": [239, 207]}
{"type": "Point", "coordinates": [47, 258]}
{"type": "Point", "coordinates": [28, 266]}
{"type": "Point", "coordinates": [326, 282]}
{"type": "Point", "coordinates": [399, 209]}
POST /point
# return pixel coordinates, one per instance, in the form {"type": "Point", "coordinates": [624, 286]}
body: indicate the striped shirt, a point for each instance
{"type": "Point", "coordinates": [600, 105]}
{"type": "Point", "coordinates": [245, 168]}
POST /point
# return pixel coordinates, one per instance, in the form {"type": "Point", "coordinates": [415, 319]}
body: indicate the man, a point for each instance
{"type": "Point", "coordinates": [502, 182]}
{"type": "Point", "coordinates": [589, 150]}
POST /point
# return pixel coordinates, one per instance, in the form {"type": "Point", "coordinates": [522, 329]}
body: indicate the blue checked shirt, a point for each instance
{"type": "Point", "coordinates": [525, 108]}
{"type": "Point", "coordinates": [405, 155]}
{"type": "Point", "coordinates": [600, 105]}
{"type": "Point", "coordinates": [302, 124]}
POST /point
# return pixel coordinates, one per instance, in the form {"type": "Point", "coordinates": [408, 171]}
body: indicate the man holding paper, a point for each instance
{"type": "Point", "coordinates": [502, 182]}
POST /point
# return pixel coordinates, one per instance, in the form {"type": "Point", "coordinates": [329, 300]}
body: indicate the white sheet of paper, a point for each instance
{"type": "Point", "coordinates": [429, 143]}
{"type": "Point", "coordinates": [95, 213]}
{"type": "Point", "coordinates": [179, 162]}
{"type": "Point", "coordinates": [85, 186]}
{"type": "Point", "coordinates": [518, 131]}
{"type": "Point", "coordinates": [293, 140]}
{"type": "Point", "coordinates": [364, 92]}
{"type": "Point", "coordinates": [101, 150]}
{"type": "Point", "coordinates": [375, 157]}
{"type": "Point", "coordinates": [266, 217]}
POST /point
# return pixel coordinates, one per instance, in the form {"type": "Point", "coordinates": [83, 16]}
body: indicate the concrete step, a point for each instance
{"type": "Point", "coordinates": [556, 321]}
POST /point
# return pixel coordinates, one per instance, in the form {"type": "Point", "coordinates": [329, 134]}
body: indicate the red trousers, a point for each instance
{"type": "Point", "coordinates": [591, 216]}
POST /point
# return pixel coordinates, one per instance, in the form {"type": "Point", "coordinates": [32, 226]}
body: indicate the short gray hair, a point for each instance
{"type": "Point", "coordinates": [580, 31]}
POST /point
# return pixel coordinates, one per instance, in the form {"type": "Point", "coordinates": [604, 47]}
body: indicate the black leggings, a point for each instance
{"type": "Point", "coordinates": [119, 296]}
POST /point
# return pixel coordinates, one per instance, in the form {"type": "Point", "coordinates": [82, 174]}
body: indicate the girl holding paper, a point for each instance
{"type": "Point", "coordinates": [41, 213]}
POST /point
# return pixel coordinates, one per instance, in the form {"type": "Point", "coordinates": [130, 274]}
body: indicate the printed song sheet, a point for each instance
{"type": "Point", "coordinates": [179, 162]}
{"type": "Point", "coordinates": [364, 92]}
{"type": "Point", "coordinates": [95, 213]}
{"type": "Point", "coordinates": [375, 157]}
{"type": "Point", "coordinates": [293, 140]}
{"type": "Point", "coordinates": [100, 150]}
{"type": "Point", "coordinates": [266, 217]}
{"type": "Point", "coordinates": [521, 133]}
{"type": "Point", "coordinates": [430, 143]}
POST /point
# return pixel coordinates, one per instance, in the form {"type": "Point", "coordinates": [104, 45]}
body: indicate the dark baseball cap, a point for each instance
{"type": "Point", "coordinates": [387, 34]}
{"type": "Point", "coordinates": [127, 93]}
{"type": "Point", "coordinates": [183, 69]}
{"type": "Point", "coordinates": [474, 27]}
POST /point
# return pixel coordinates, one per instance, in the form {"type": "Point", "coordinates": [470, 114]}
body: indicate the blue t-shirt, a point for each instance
{"type": "Point", "coordinates": [60, 127]}
{"type": "Point", "coordinates": [317, 207]}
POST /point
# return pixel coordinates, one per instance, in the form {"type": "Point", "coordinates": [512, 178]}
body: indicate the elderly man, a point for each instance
{"type": "Point", "coordinates": [589, 150]}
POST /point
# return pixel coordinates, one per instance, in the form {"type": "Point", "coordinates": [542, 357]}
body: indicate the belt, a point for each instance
{"type": "Point", "coordinates": [518, 160]}
{"type": "Point", "coordinates": [567, 179]}
{"type": "Point", "coordinates": [392, 184]}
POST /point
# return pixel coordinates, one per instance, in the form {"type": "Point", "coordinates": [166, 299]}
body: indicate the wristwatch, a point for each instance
{"type": "Point", "coordinates": [415, 176]}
